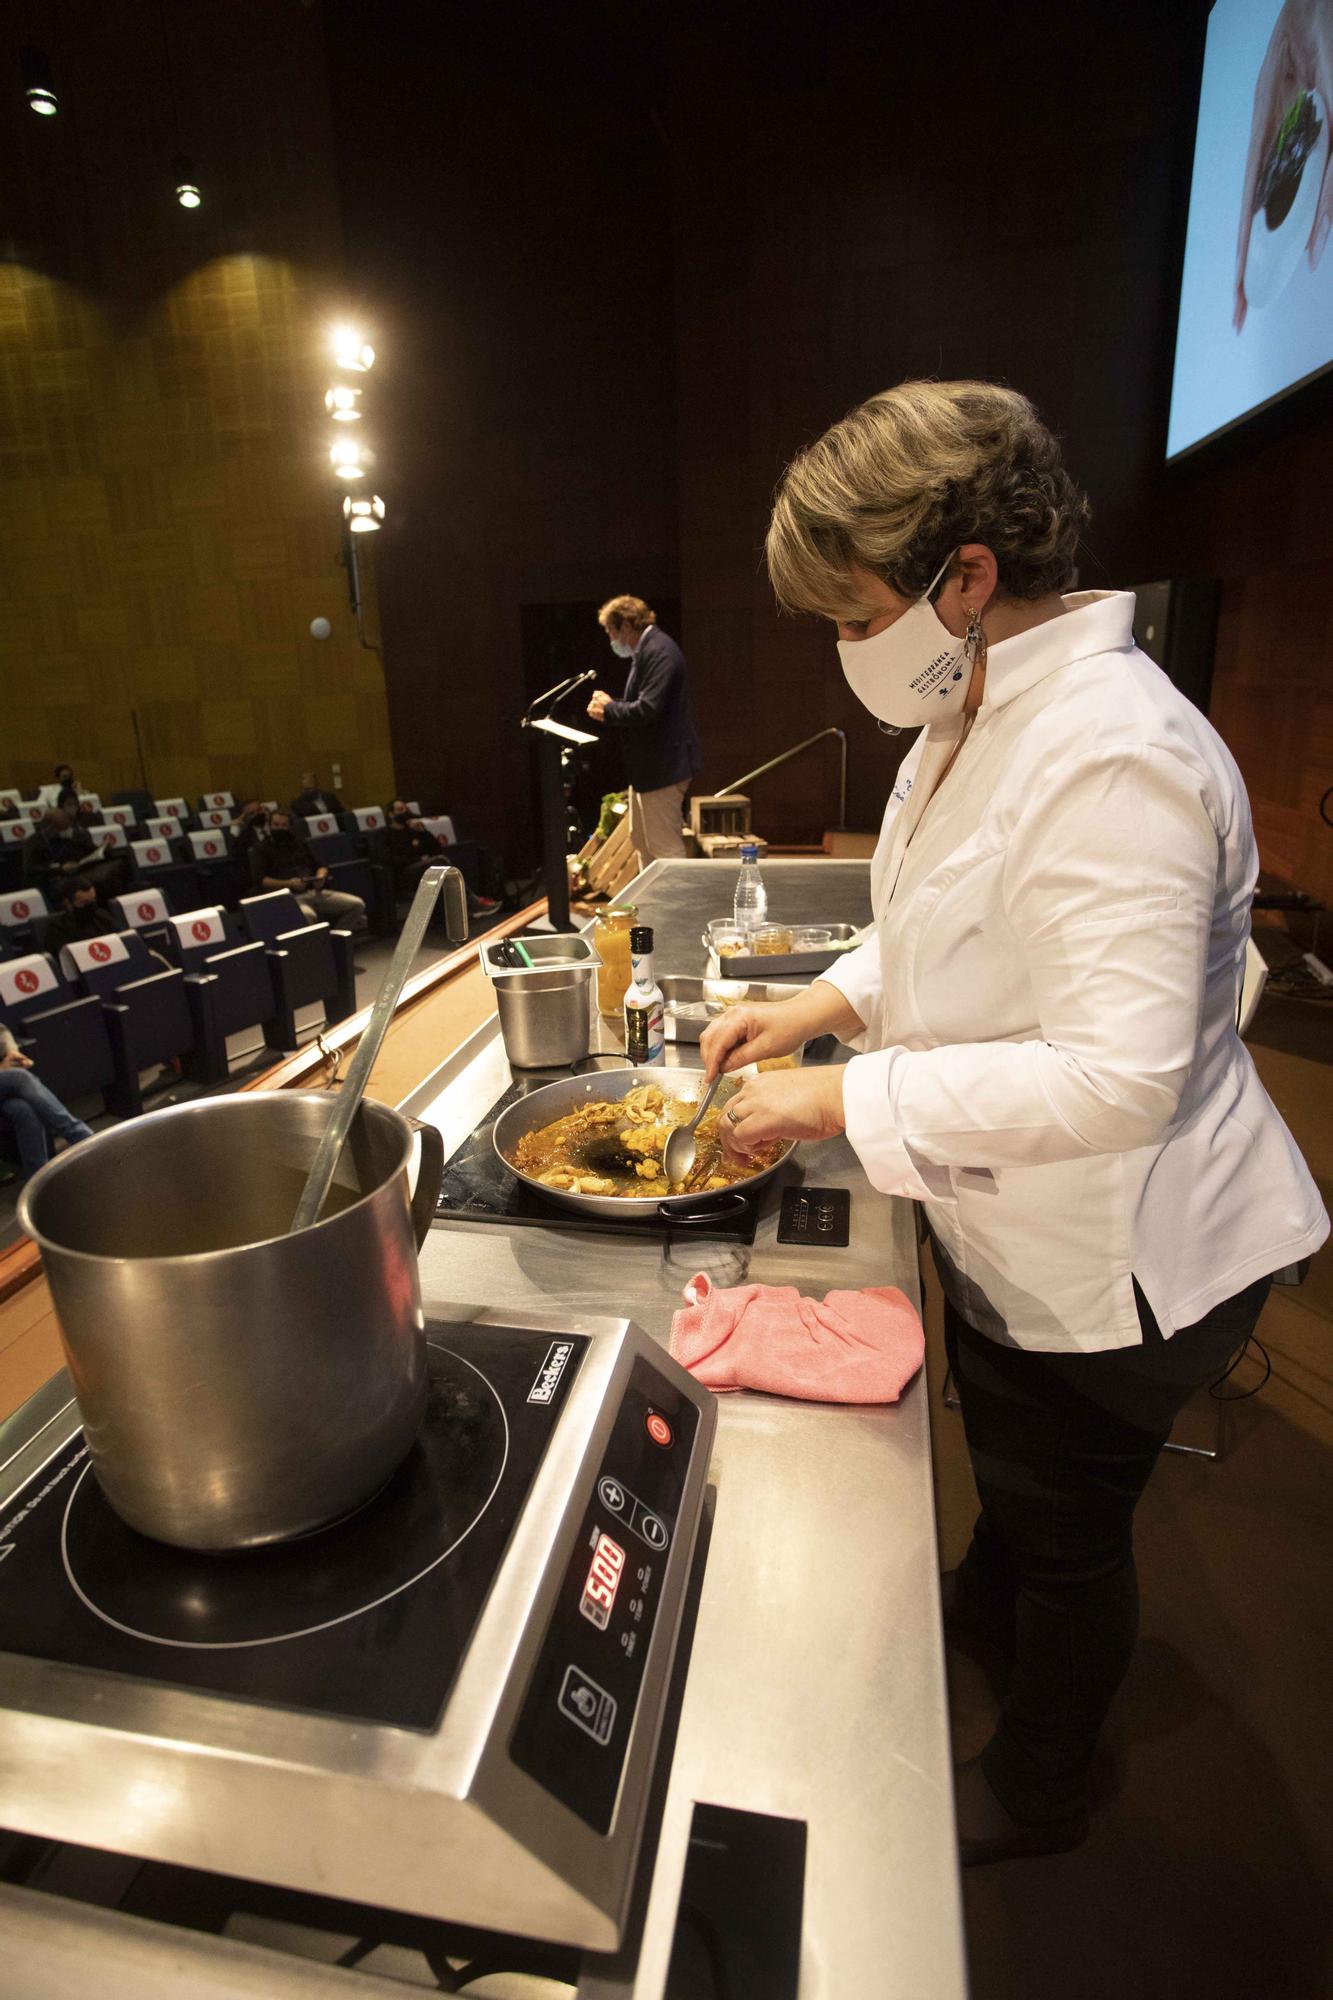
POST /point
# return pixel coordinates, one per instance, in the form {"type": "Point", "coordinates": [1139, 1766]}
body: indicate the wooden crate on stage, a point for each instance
{"type": "Point", "coordinates": [612, 862]}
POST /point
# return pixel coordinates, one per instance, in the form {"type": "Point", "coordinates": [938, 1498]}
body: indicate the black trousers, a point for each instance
{"type": "Point", "coordinates": [1062, 1445]}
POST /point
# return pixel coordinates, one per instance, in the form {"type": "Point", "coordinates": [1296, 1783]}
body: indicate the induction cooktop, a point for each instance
{"type": "Point", "coordinates": [368, 1618]}
{"type": "Point", "coordinates": [447, 1703]}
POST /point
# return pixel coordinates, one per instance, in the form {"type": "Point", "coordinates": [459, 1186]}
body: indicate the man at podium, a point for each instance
{"type": "Point", "coordinates": [662, 751]}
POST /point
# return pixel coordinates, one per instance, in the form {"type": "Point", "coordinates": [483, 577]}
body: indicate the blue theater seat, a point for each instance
{"type": "Point", "coordinates": [153, 1013]}
{"type": "Point", "coordinates": [63, 1031]}
{"type": "Point", "coordinates": [311, 963]}
{"type": "Point", "coordinates": [210, 943]}
{"type": "Point", "coordinates": [159, 864]}
{"type": "Point", "coordinates": [146, 911]}
{"type": "Point", "coordinates": [21, 910]}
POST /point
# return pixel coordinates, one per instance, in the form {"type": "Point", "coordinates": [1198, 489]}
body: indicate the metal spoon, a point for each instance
{"type": "Point", "coordinates": [679, 1151]}
{"type": "Point", "coordinates": [349, 1097]}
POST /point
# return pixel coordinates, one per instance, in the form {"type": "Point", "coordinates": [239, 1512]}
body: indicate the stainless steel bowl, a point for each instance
{"type": "Point", "coordinates": [555, 1100]}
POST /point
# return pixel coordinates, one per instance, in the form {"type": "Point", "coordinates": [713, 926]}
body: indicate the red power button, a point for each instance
{"type": "Point", "coordinates": [658, 1429]}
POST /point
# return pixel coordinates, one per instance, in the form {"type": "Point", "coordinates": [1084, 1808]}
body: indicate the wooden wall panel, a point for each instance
{"type": "Point", "coordinates": [168, 521]}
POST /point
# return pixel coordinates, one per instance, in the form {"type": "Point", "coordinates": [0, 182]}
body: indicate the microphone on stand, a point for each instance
{"type": "Point", "coordinates": [557, 693]}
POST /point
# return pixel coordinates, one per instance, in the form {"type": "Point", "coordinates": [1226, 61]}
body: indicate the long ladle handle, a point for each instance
{"type": "Point", "coordinates": [320, 1179]}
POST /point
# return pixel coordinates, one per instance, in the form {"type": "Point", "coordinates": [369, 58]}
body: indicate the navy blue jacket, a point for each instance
{"type": "Point", "coordinates": [661, 746]}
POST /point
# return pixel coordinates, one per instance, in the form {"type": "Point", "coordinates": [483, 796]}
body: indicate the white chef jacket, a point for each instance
{"type": "Point", "coordinates": [1050, 1002]}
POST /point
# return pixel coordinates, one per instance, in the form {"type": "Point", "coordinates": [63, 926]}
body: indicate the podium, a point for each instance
{"type": "Point", "coordinates": [556, 744]}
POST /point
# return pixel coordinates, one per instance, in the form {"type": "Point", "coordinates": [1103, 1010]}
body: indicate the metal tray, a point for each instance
{"type": "Point", "coordinates": [687, 1012]}
{"type": "Point", "coordinates": [788, 965]}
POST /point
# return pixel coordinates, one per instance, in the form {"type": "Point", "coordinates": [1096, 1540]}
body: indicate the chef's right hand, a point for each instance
{"type": "Point", "coordinates": [755, 1031]}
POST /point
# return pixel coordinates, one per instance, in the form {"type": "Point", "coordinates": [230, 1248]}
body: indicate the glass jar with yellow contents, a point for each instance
{"type": "Point", "coordinates": [610, 938]}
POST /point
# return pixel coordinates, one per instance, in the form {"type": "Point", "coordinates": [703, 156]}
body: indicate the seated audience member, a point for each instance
{"type": "Point", "coordinates": [79, 916]}
{"type": "Point", "coordinates": [80, 811]}
{"type": "Point", "coordinates": [411, 848]}
{"type": "Point", "coordinates": [57, 847]}
{"type": "Point", "coordinates": [247, 829]}
{"type": "Point", "coordinates": [312, 799]}
{"type": "Point", "coordinates": [34, 1114]}
{"type": "Point", "coordinates": [285, 862]}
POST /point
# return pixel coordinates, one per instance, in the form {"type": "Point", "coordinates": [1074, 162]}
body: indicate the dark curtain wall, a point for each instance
{"type": "Point", "coordinates": [506, 207]}
{"type": "Point", "coordinates": [623, 261]}
{"type": "Point", "coordinates": [868, 194]}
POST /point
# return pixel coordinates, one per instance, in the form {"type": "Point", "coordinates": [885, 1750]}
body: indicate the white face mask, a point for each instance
{"type": "Point", "coordinates": [621, 650]}
{"type": "Point", "coordinates": [914, 671]}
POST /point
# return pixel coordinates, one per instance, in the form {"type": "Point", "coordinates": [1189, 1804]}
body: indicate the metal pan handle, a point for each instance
{"type": "Point", "coordinates": [719, 1205]}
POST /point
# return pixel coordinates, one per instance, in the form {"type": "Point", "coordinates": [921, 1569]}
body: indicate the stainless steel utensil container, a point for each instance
{"type": "Point", "coordinates": [545, 1012]}
{"type": "Point", "coordinates": [239, 1385]}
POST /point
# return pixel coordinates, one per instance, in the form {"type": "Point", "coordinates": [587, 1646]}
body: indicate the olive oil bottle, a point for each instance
{"type": "Point", "coordinates": [645, 1040]}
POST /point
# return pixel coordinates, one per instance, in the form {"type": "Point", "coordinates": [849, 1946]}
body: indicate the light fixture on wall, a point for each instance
{"type": "Point", "coordinates": [187, 188]}
{"type": "Point", "coordinates": [341, 404]}
{"type": "Point", "coordinates": [349, 459]}
{"type": "Point", "coordinates": [365, 514]}
{"type": "Point", "coordinates": [350, 352]}
{"type": "Point", "coordinates": [38, 84]}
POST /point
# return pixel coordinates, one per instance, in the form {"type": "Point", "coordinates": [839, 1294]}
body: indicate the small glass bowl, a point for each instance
{"type": "Point", "coordinates": [811, 937]}
{"type": "Point", "coordinates": [772, 941]}
{"type": "Point", "coordinates": [726, 939]}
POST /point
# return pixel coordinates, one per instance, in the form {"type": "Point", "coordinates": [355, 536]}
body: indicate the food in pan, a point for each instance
{"type": "Point", "coordinates": [616, 1149]}
{"type": "Point", "coordinates": [1280, 177]}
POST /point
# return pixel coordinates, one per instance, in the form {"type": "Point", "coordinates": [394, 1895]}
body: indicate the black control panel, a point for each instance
{"type": "Point", "coordinates": [821, 1217]}
{"type": "Point", "coordinates": [578, 1713]}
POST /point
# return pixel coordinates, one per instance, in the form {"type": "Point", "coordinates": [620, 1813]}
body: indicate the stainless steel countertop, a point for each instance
{"type": "Point", "coordinates": [816, 1682]}
{"type": "Point", "coordinates": [815, 1686]}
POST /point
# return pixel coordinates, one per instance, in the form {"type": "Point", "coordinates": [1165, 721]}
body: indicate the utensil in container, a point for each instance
{"type": "Point", "coordinates": [441, 879]}
{"type": "Point", "coordinates": [546, 1010]}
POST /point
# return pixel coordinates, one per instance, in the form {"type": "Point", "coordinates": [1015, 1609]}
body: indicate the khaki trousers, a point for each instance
{"type": "Point", "coordinates": [654, 822]}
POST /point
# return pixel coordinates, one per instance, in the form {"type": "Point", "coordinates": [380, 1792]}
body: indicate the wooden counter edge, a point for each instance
{"type": "Point", "coordinates": [22, 1262]}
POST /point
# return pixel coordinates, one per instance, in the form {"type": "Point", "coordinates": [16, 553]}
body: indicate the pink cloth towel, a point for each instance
{"type": "Point", "coordinates": [851, 1347]}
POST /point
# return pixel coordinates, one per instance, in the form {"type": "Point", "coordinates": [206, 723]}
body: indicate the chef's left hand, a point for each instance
{"type": "Point", "coordinates": [598, 705]}
{"type": "Point", "coordinates": [783, 1104]}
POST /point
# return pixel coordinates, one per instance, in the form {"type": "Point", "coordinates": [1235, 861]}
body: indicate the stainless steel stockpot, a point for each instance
{"type": "Point", "coordinates": [239, 1385]}
{"type": "Point", "coordinates": [555, 1100]}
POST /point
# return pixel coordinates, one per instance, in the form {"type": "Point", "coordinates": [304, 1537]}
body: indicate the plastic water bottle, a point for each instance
{"type": "Point", "coordinates": [751, 905]}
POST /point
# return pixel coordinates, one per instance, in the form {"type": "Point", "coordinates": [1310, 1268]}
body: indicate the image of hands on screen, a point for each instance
{"type": "Point", "coordinates": [1256, 302]}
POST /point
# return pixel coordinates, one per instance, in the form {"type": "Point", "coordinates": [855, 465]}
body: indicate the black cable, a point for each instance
{"type": "Point", "coordinates": [1242, 1395]}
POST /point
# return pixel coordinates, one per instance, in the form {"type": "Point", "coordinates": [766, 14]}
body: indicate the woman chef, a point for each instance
{"type": "Point", "coordinates": [1047, 1021]}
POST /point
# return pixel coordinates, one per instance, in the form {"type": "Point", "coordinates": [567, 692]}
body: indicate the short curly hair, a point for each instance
{"type": "Point", "coordinates": [618, 612]}
{"type": "Point", "coordinates": [910, 476]}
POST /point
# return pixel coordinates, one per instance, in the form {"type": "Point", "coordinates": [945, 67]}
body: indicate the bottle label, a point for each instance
{"type": "Point", "coordinates": [645, 1040]}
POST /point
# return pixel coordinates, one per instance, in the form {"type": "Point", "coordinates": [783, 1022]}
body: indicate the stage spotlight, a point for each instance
{"type": "Point", "coordinates": [350, 352]}
{"type": "Point", "coordinates": [349, 459]}
{"type": "Point", "coordinates": [38, 85]}
{"type": "Point", "coordinates": [363, 516]}
{"type": "Point", "coordinates": [187, 188]}
{"type": "Point", "coordinates": [341, 405]}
